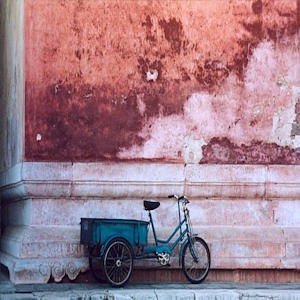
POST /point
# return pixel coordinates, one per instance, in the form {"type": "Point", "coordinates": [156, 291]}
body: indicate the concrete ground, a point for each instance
{"type": "Point", "coordinates": [95, 291]}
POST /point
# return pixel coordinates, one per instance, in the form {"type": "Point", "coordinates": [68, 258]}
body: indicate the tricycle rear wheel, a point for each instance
{"type": "Point", "coordinates": [95, 263]}
{"type": "Point", "coordinates": [118, 262]}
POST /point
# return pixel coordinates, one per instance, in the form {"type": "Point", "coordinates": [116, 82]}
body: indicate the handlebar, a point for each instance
{"type": "Point", "coordinates": [182, 198]}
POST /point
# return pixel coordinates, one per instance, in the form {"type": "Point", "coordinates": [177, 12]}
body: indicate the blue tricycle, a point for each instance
{"type": "Point", "coordinates": [115, 243]}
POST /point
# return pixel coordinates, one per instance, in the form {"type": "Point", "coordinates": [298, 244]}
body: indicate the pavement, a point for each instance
{"type": "Point", "coordinates": [165, 291]}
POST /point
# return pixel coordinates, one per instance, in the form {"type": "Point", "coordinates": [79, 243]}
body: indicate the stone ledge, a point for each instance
{"type": "Point", "coordinates": [132, 180]}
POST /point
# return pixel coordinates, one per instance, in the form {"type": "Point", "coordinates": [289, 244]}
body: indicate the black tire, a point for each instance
{"type": "Point", "coordinates": [196, 269]}
{"type": "Point", "coordinates": [95, 263]}
{"type": "Point", "coordinates": [118, 262]}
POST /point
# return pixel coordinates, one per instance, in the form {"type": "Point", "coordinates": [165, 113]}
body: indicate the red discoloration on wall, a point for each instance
{"type": "Point", "coordinates": [223, 151]}
{"type": "Point", "coordinates": [173, 33]}
{"type": "Point", "coordinates": [79, 129]}
{"type": "Point", "coordinates": [257, 7]}
{"type": "Point", "coordinates": [212, 73]}
{"type": "Point", "coordinates": [87, 90]}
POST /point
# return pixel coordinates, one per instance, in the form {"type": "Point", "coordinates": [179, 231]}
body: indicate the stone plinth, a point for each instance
{"type": "Point", "coordinates": [248, 216]}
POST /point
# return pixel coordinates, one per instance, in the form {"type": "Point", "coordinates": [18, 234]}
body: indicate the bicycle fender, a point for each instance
{"type": "Point", "coordinates": [182, 246]}
{"type": "Point", "coordinates": [110, 239]}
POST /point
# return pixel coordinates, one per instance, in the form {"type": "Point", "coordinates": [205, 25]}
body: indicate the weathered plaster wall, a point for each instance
{"type": "Point", "coordinates": [206, 91]}
{"type": "Point", "coordinates": [194, 81]}
{"type": "Point", "coordinates": [11, 83]}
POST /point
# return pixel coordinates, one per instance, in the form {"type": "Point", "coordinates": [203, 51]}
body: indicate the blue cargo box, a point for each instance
{"type": "Point", "coordinates": [98, 231]}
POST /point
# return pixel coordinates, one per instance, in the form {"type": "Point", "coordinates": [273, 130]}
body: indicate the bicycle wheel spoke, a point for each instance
{"type": "Point", "coordinates": [110, 271]}
{"type": "Point", "coordinates": [114, 251]}
{"type": "Point", "coordinates": [122, 253]}
{"type": "Point", "coordinates": [126, 264]}
{"type": "Point", "coordinates": [124, 272]}
{"type": "Point", "coordinates": [110, 260]}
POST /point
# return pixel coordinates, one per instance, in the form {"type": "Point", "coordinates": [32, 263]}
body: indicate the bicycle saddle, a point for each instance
{"type": "Point", "coordinates": [150, 205]}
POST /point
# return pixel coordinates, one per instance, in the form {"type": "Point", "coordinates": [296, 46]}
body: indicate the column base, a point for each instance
{"type": "Point", "coordinates": [32, 271]}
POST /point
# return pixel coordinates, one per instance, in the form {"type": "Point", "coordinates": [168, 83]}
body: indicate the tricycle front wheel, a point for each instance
{"type": "Point", "coordinates": [196, 260]}
{"type": "Point", "coordinates": [118, 262]}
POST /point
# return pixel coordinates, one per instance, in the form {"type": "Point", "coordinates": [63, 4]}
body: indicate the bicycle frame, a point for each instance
{"type": "Point", "coordinates": [162, 245]}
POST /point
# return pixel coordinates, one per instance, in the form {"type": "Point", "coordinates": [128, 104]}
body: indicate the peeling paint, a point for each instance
{"type": "Point", "coordinates": [152, 75]}
{"type": "Point", "coordinates": [192, 150]}
{"type": "Point", "coordinates": [141, 104]}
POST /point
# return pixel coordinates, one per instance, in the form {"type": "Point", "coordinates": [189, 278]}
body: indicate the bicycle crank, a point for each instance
{"type": "Point", "coordinates": [163, 258]}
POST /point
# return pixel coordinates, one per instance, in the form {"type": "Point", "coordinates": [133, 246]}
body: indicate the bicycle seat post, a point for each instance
{"type": "Point", "coordinates": [151, 205]}
{"type": "Point", "coordinates": [153, 228]}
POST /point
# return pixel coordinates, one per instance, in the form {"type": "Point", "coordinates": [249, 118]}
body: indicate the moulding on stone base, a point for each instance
{"type": "Point", "coordinates": [27, 271]}
{"type": "Point", "coordinates": [140, 180]}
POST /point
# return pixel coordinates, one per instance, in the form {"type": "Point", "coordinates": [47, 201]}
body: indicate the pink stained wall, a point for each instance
{"type": "Point", "coordinates": [177, 81]}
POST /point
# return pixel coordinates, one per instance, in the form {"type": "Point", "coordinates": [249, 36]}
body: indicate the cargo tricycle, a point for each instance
{"type": "Point", "coordinates": [115, 243]}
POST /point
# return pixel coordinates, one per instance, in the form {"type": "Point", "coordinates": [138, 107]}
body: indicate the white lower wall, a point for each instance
{"type": "Point", "coordinates": [247, 214]}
